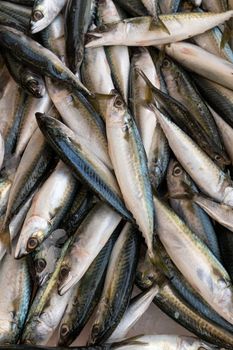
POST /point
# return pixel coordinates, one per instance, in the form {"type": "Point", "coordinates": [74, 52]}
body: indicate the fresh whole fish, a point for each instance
{"type": "Point", "coordinates": [78, 18]}
{"type": "Point", "coordinates": [126, 152]}
{"type": "Point", "coordinates": [49, 205]}
{"type": "Point", "coordinates": [74, 152]}
{"type": "Point", "coordinates": [118, 57]}
{"type": "Point", "coordinates": [87, 242]}
{"type": "Point", "coordinates": [142, 32]}
{"type": "Point", "coordinates": [117, 286]}
{"type": "Point", "coordinates": [44, 12]}
{"type": "Point", "coordinates": [15, 298]}
{"type": "Point", "coordinates": [195, 218]}
{"type": "Point", "coordinates": [85, 295]}
{"type": "Point", "coordinates": [38, 57]}
{"type": "Point", "coordinates": [208, 278]}
{"type": "Point", "coordinates": [191, 157]}
{"type": "Point", "coordinates": [202, 62]}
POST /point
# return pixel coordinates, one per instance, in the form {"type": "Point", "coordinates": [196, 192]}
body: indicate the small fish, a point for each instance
{"type": "Point", "coordinates": [44, 12]}
{"type": "Point", "coordinates": [74, 152]}
{"type": "Point", "coordinates": [138, 31]}
{"type": "Point", "coordinates": [202, 62]}
{"type": "Point", "coordinates": [126, 152]}
{"type": "Point", "coordinates": [169, 6]}
{"type": "Point", "coordinates": [49, 205]}
{"type": "Point", "coordinates": [117, 286]}
{"type": "Point", "coordinates": [137, 307]}
{"type": "Point", "coordinates": [84, 247]}
{"type": "Point", "coordinates": [38, 57]}
{"type": "Point", "coordinates": [86, 295]}
{"type": "Point", "coordinates": [78, 18]}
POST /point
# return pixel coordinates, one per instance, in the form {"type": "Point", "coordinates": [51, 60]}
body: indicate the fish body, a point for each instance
{"type": "Point", "coordinates": [139, 31]}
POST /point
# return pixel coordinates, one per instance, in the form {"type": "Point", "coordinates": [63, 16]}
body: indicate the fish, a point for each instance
{"type": "Point", "coordinates": [215, 5]}
{"type": "Point", "coordinates": [180, 86]}
{"type": "Point", "coordinates": [2, 150]}
{"type": "Point", "coordinates": [137, 307]}
{"type": "Point", "coordinates": [38, 57]}
{"type": "Point", "coordinates": [5, 185]}
{"type": "Point", "coordinates": [78, 18]}
{"type": "Point", "coordinates": [225, 131]}
{"type": "Point", "coordinates": [46, 309]}
{"type": "Point", "coordinates": [28, 122]}
{"type": "Point", "coordinates": [208, 278]}
{"type": "Point", "coordinates": [86, 295]}
{"type": "Point", "coordinates": [217, 96]}
{"type": "Point", "coordinates": [46, 256]}
{"type": "Point", "coordinates": [190, 56]}
{"type": "Point", "coordinates": [139, 31]}
{"type": "Point", "coordinates": [211, 41]}
{"type": "Point", "coordinates": [185, 149]}
{"type": "Point", "coordinates": [53, 38]}
{"type": "Point", "coordinates": [126, 152]}
{"type": "Point", "coordinates": [49, 205]}
{"type": "Point", "coordinates": [188, 122]}
{"type": "Point", "coordinates": [118, 57]}
{"type": "Point", "coordinates": [79, 115]}
{"type": "Point", "coordinates": [118, 285]}
{"type": "Point", "coordinates": [171, 303]}
{"type": "Point", "coordinates": [133, 7]}
{"type": "Point", "coordinates": [225, 239]}
{"type": "Point", "coordinates": [195, 218]}
{"type": "Point", "coordinates": [75, 154]}
{"type": "Point", "coordinates": [81, 205]}
{"type": "Point", "coordinates": [9, 21]}
{"type": "Point", "coordinates": [15, 298]}
{"type": "Point", "coordinates": [102, 220]}
{"type": "Point", "coordinates": [31, 82]}
{"type": "Point", "coordinates": [170, 6]}
{"type": "Point", "coordinates": [33, 165]}
{"type": "Point", "coordinates": [43, 13]}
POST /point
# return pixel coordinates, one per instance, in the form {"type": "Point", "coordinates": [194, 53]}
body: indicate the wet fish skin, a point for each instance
{"type": "Point", "coordinates": [190, 55]}
{"type": "Point", "coordinates": [53, 38]}
{"type": "Point", "coordinates": [137, 307]}
{"type": "Point", "coordinates": [34, 164]}
{"type": "Point", "coordinates": [138, 31]}
{"type": "Point", "coordinates": [127, 152]}
{"type": "Point", "coordinates": [15, 298]}
{"type": "Point", "coordinates": [188, 122]}
{"type": "Point", "coordinates": [98, 176]}
{"type": "Point", "coordinates": [46, 256]}
{"type": "Point", "coordinates": [37, 57]}
{"type": "Point", "coordinates": [170, 6]}
{"type": "Point", "coordinates": [79, 115]}
{"type": "Point", "coordinates": [43, 13]}
{"type": "Point", "coordinates": [118, 285]}
{"type": "Point", "coordinates": [180, 87]}
{"type": "Point", "coordinates": [215, 5]}
{"type": "Point", "coordinates": [118, 57]}
{"type": "Point", "coordinates": [195, 218]}
{"type": "Point", "coordinates": [220, 186]}
{"type": "Point", "coordinates": [86, 295]}
{"type": "Point", "coordinates": [209, 279]}
{"type": "Point", "coordinates": [78, 18]}
{"type": "Point", "coordinates": [225, 242]}
{"type": "Point", "coordinates": [85, 247]}
{"type": "Point", "coordinates": [9, 21]}
{"type": "Point", "coordinates": [5, 185]}
{"type": "Point", "coordinates": [133, 7]}
{"type": "Point", "coordinates": [50, 204]}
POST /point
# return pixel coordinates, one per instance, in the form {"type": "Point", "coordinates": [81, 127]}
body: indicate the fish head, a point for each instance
{"type": "Point", "coordinates": [105, 34]}
{"type": "Point", "coordinates": [177, 178]}
{"type": "Point", "coordinates": [39, 18]}
{"type": "Point", "coordinates": [146, 274]}
{"type": "Point", "coordinates": [192, 343]}
{"type": "Point", "coordinates": [64, 334]}
{"type": "Point", "coordinates": [9, 331]}
{"type": "Point", "coordinates": [47, 255]}
{"type": "Point", "coordinates": [31, 236]}
{"type": "Point", "coordinates": [116, 110]}
{"type": "Point", "coordinates": [35, 85]}
{"type": "Point", "coordinates": [65, 281]}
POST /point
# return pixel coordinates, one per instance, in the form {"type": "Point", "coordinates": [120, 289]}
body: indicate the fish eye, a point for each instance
{"type": "Point", "coordinates": [37, 15]}
{"type": "Point", "coordinates": [118, 103]}
{"type": "Point", "coordinates": [177, 171]}
{"type": "Point", "coordinates": [40, 265]}
{"type": "Point", "coordinates": [64, 271]}
{"type": "Point", "coordinates": [32, 244]}
{"type": "Point", "coordinates": [166, 63]}
{"type": "Point", "coordinates": [217, 157]}
{"type": "Point", "coordinates": [64, 330]}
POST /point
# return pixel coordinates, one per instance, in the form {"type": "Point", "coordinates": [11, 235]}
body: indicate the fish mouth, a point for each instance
{"type": "Point", "coordinates": [36, 89]}
{"type": "Point", "coordinates": [66, 285]}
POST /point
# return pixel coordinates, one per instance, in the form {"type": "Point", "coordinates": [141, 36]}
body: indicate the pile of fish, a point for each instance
{"type": "Point", "coordinates": [116, 153]}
